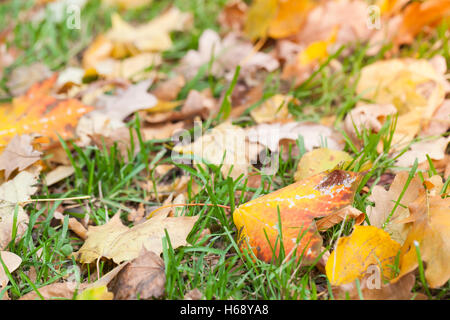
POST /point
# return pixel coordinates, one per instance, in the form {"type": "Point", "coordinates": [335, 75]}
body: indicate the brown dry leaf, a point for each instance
{"type": "Point", "coordinates": [232, 17]}
{"type": "Point", "coordinates": [12, 193]}
{"type": "Point", "coordinates": [385, 202]}
{"type": "Point", "coordinates": [413, 86]}
{"type": "Point", "coordinates": [126, 101]}
{"type": "Point", "coordinates": [73, 224]}
{"type": "Point", "coordinates": [440, 122]}
{"type": "Point", "coordinates": [314, 135]}
{"type": "Point", "coordinates": [58, 174]}
{"type": "Point", "coordinates": [115, 241]}
{"type": "Point", "coordinates": [23, 77]}
{"type": "Point", "coordinates": [343, 214]}
{"type": "Point", "coordinates": [400, 290]}
{"type": "Point", "coordinates": [368, 117]}
{"type": "Point", "coordinates": [18, 154]}
{"type": "Point", "coordinates": [435, 149]}
{"type": "Point", "coordinates": [430, 231]}
{"type": "Point", "coordinates": [143, 277]}
{"type": "Point", "coordinates": [225, 139]}
{"type": "Point", "coordinates": [272, 110]}
{"type": "Point", "coordinates": [228, 53]}
{"type": "Point", "coordinates": [12, 262]}
{"type": "Point", "coordinates": [161, 131]}
{"type": "Point", "coordinates": [55, 291]}
{"type": "Point", "coordinates": [168, 90]}
{"type": "Point", "coordinates": [193, 294]}
{"type": "Point", "coordinates": [418, 15]}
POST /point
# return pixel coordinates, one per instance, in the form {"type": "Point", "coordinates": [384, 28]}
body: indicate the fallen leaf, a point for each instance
{"type": "Point", "coordinates": [58, 174]}
{"type": "Point", "coordinates": [291, 16]}
{"type": "Point", "coordinates": [12, 193]}
{"type": "Point", "coordinates": [168, 90]}
{"type": "Point", "coordinates": [259, 16]}
{"type": "Point", "coordinates": [298, 205]}
{"type": "Point", "coordinates": [233, 15]}
{"type": "Point", "coordinates": [435, 149]}
{"type": "Point", "coordinates": [273, 109]}
{"type": "Point", "coordinates": [143, 278]}
{"type": "Point", "coordinates": [318, 160]}
{"type": "Point", "coordinates": [55, 291]}
{"type": "Point", "coordinates": [193, 294]}
{"type": "Point", "coordinates": [127, 101]}
{"type": "Point", "coordinates": [24, 77]}
{"type": "Point", "coordinates": [95, 293]}
{"type": "Point", "coordinates": [440, 122]}
{"type": "Point", "coordinates": [227, 54]}
{"type": "Point", "coordinates": [40, 113]}
{"type": "Point", "coordinates": [385, 203]}
{"type": "Point", "coordinates": [18, 154]}
{"type": "Point", "coordinates": [224, 139]}
{"type": "Point", "coordinates": [430, 231]}
{"type": "Point", "coordinates": [366, 246]}
{"type": "Point", "coordinates": [12, 262]}
{"type": "Point", "coordinates": [400, 290]}
{"type": "Point", "coordinates": [413, 86]}
{"type": "Point", "coordinates": [314, 135]}
{"type": "Point", "coordinates": [127, 4]}
{"type": "Point", "coordinates": [417, 15]}
{"type": "Point", "coordinates": [115, 241]}
{"type": "Point", "coordinates": [340, 215]}
{"type": "Point", "coordinates": [369, 117]}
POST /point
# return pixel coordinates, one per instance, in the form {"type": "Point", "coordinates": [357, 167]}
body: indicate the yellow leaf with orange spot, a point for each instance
{"type": "Point", "coordinates": [295, 206]}
{"type": "Point", "coordinates": [40, 113]}
{"type": "Point", "coordinates": [366, 246]}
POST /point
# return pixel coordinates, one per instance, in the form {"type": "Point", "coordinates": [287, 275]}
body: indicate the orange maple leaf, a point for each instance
{"type": "Point", "coordinates": [298, 204]}
{"type": "Point", "coordinates": [40, 113]}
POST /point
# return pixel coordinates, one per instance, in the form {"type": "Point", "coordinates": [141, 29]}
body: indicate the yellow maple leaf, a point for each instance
{"type": "Point", "coordinates": [366, 246]}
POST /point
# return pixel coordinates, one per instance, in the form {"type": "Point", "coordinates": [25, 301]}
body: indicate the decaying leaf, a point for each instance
{"type": "Point", "coordinates": [225, 139]}
{"type": "Point", "coordinates": [435, 149]}
{"type": "Point", "coordinates": [226, 53]}
{"type": "Point", "coordinates": [295, 207]}
{"type": "Point", "coordinates": [40, 113]}
{"type": "Point", "coordinates": [143, 277]}
{"type": "Point", "coordinates": [369, 117]}
{"type": "Point", "coordinates": [115, 241]}
{"type": "Point", "coordinates": [430, 231]}
{"type": "Point", "coordinates": [12, 262]}
{"type": "Point", "coordinates": [413, 86]}
{"type": "Point", "coordinates": [366, 246]}
{"type": "Point", "coordinates": [127, 101]}
{"type": "Point", "coordinates": [55, 291]}
{"type": "Point", "coordinates": [318, 160]}
{"type": "Point", "coordinates": [373, 289]}
{"type": "Point", "coordinates": [12, 193]}
{"type": "Point", "coordinates": [385, 202]}
{"type": "Point", "coordinates": [18, 154]}
{"type": "Point", "coordinates": [314, 135]}
{"type": "Point", "coordinates": [272, 110]}
{"type": "Point", "coordinates": [24, 77]}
